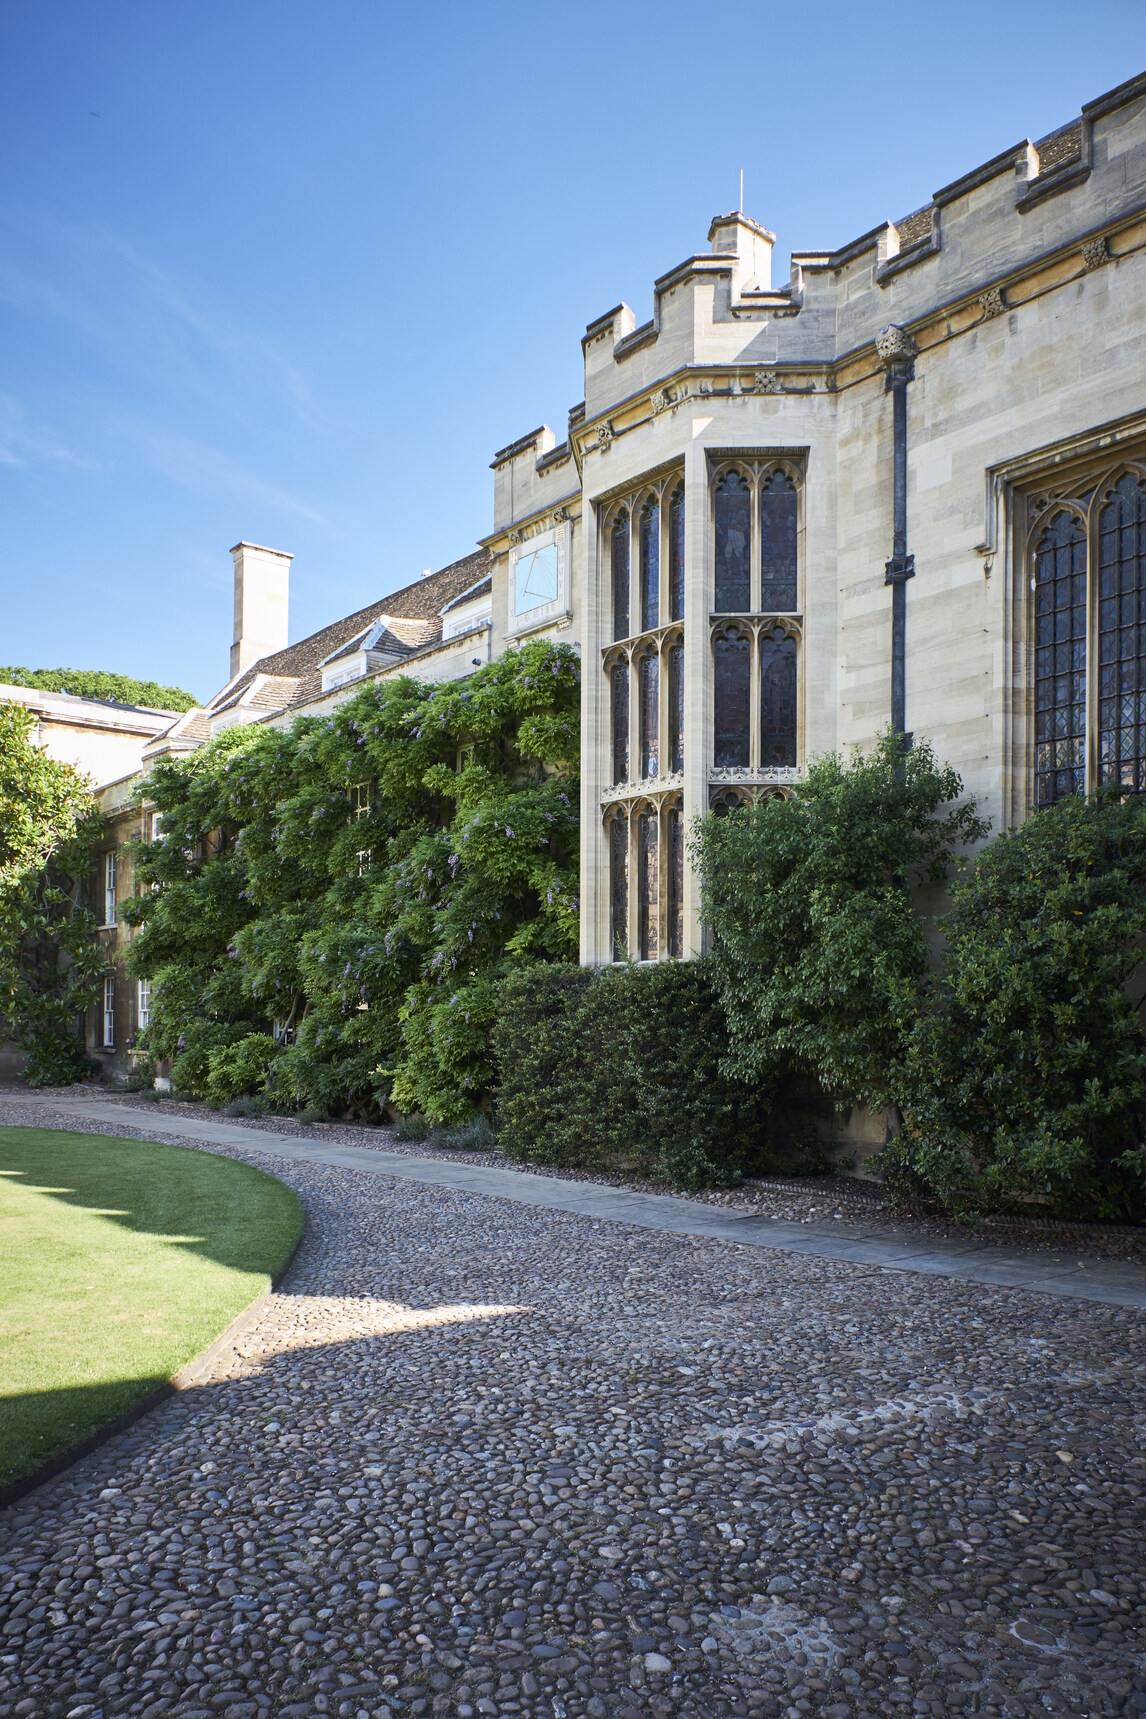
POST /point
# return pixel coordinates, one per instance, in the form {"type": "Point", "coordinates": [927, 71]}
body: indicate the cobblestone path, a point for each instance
{"type": "Point", "coordinates": [484, 1459]}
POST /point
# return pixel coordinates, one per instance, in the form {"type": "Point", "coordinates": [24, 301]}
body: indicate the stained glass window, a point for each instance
{"type": "Point", "coordinates": [732, 691]}
{"type": "Point", "coordinates": [648, 885]}
{"type": "Point", "coordinates": [778, 529]}
{"type": "Point", "coordinates": [676, 707]}
{"type": "Point", "coordinates": [620, 680]}
{"type": "Point", "coordinates": [621, 575]}
{"type": "Point", "coordinates": [733, 517]}
{"type": "Point", "coordinates": [674, 834]}
{"type": "Point", "coordinates": [676, 554]}
{"type": "Point", "coordinates": [1122, 635]}
{"type": "Point", "coordinates": [649, 681]}
{"type": "Point", "coordinates": [777, 699]}
{"type": "Point", "coordinates": [619, 887]}
{"type": "Point", "coordinates": [535, 579]}
{"type": "Point", "coordinates": [651, 566]}
{"type": "Point", "coordinates": [1060, 660]}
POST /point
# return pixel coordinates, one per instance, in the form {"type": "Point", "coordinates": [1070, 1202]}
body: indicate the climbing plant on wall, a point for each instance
{"type": "Point", "coordinates": [326, 911]}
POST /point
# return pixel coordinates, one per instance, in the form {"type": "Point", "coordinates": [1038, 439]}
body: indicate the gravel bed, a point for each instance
{"type": "Point", "coordinates": [850, 1201]}
{"type": "Point", "coordinates": [479, 1458]}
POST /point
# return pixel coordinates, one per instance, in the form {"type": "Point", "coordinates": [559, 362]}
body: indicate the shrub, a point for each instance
{"type": "Point", "coordinates": [412, 1130]}
{"type": "Point", "coordinates": [245, 1107]}
{"type": "Point", "coordinates": [1024, 1073]}
{"type": "Point", "coordinates": [312, 1114]}
{"type": "Point", "coordinates": [622, 1069]}
{"type": "Point", "coordinates": [475, 1136]}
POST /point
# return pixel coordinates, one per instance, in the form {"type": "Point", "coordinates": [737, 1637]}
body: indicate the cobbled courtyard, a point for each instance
{"type": "Point", "coordinates": [479, 1458]}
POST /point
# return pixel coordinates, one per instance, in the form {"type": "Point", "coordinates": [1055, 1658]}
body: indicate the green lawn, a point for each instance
{"type": "Point", "coordinates": [119, 1261]}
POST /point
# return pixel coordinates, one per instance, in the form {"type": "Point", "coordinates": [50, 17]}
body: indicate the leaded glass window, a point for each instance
{"type": "Point", "coordinates": [777, 699]}
{"type": "Point", "coordinates": [620, 552]}
{"type": "Point", "coordinates": [676, 554]}
{"type": "Point", "coordinates": [778, 533]}
{"type": "Point", "coordinates": [1060, 659]}
{"type": "Point", "coordinates": [619, 887]}
{"type": "Point", "coordinates": [649, 685]}
{"type": "Point", "coordinates": [619, 675]}
{"type": "Point", "coordinates": [733, 520]}
{"type": "Point", "coordinates": [676, 707]}
{"type": "Point", "coordinates": [650, 566]}
{"type": "Point", "coordinates": [1122, 635]}
{"type": "Point", "coordinates": [648, 881]}
{"type": "Point", "coordinates": [732, 680]}
{"type": "Point", "coordinates": [674, 835]}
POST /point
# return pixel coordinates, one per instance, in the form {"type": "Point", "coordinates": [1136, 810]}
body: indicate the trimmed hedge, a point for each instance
{"type": "Point", "coordinates": [621, 1069]}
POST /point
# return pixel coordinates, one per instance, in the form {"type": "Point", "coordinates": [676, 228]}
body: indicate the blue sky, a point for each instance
{"type": "Point", "coordinates": [293, 270]}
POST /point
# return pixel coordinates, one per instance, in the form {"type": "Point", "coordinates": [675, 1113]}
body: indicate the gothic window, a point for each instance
{"type": "Point", "coordinates": [619, 887]}
{"type": "Point", "coordinates": [1060, 659]}
{"type": "Point", "coordinates": [778, 529]}
{"type": "Point", "coordinates": [649, 687]}
{"type": "Point", "coordinates": [620, 551]}
{"type": "Point", "coordinates": [648, 880]}
{"type": "Point", "coordinates": [723, 801]}
{"type": "Point", "coordinates": [777, 699]}
{"type": "Point", "coordinates": [732, 680]}
{"type": "Point", "coordinates": [733, 519]}
{"type": "Point", "coordinates": [676, 554]}
{"type": "Point", "coordinates": [676, 707]}
{"type": "Point", "coordinates": [1122, 635]}
{"type": "Point", "coordinates": [674, 835]}
{"type": "Point", "coordinates": [650, 566]}
{"type": "Point", "coordinates": [619, 675]}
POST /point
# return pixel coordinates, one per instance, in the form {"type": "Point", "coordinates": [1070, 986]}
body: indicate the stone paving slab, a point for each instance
{"type": "Point", "coordinates": [1112, 1282]}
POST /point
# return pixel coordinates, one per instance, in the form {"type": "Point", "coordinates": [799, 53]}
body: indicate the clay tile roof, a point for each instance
{"type": "Point", "coordinates": [1060, 147]}
{"type": "Point", "coordinates": [914, 228]}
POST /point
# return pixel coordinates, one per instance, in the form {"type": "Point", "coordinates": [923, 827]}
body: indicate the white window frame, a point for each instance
{"type": "Point", "coordinates": [533, 620]}
{"type": "Point", "coordinates": [109, 897]}
{"type": "Point", "coordinates": [143, 1003]}
{"type": "Point", "coordinates": [109, 1012]}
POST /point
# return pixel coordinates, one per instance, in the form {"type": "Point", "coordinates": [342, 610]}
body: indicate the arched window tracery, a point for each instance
{"type": "Point", "coordinates": [648, 884]}
{"type": "Point", "coordinates": [732, 516]}
{"type": "Point", "coordinates": [676, 554]}
{"type": "Point", "coordinates": [619, 694]}
{"type": "Point", "coordinates": [649, 685]}
{"type": "Point", "coordinates": [618, 836]}
{"type": "Point", "coordinates": [779, 529]}
{"type": "Point", "coordinates": [620, 572]}
{"type": "Point", "coordinates": [1060, 658]}
{"type": "Point", "coordinates": [674, 854]}
{"type": "Point", "coordinates": [1122, 634]}
{"type": "Point", "coordinates": [676, 707]}
{"type": "Point", "coordinates": [732, 693]}
{"type": "Point", "coordinates": [650, 565]}
{"type": "Point", "coordinates": [777, 699]}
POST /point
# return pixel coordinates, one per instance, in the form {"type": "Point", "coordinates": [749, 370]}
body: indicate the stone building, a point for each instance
{"type": "Point", "coordinates": [907, 487]}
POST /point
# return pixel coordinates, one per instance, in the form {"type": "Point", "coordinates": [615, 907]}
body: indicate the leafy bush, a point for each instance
{"type": "Point", "coordinates": [622, 1069]}
{"type": "Point", "coordinates": [1025, 1071]}
{"type": "Point", "coordinates": [412, 1130]}
{"type": "Point", "coordinates": [245, 1107]}
{"type": "Point", "coordinates": [313, 1114]}
{"type": "Point", "coordinates": [475, 1136]}
{"type": "Point", "coordinates": [98, 683]}
{"type": "Point", "coordinates": [818, 950]}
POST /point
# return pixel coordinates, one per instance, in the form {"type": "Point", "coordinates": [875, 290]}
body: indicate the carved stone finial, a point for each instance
{"type": "Point", "coordinates": [1094, 254]}
{"type": "Point", "coordinates": [894, 344]}
{"type": "Point", "coordinates": [992, 301]}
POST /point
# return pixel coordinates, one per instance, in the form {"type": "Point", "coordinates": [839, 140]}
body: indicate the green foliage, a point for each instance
{"type": "Point", "coordinates": [98, 683]}
{"type": "Point", "coordinates": [375, 941]}
{"type": "Point", "coordinates": [818, 951]}
{"type": "Point", "coordinates": [50, 959]}
{"type": "Point", "coordinates": [621, 1069]}
{"type": "Point", "coordinates": [1025, 1071]}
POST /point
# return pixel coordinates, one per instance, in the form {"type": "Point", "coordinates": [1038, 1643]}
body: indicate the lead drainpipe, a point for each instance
{"type": "Point", "coordinates": [897, 352]}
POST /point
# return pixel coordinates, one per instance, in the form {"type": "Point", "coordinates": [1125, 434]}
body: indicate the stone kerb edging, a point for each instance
{"type": "Point", "coordinates": [192, 1373]}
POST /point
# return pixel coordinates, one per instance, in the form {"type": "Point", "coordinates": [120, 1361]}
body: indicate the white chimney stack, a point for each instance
{"type": "Point", "coordinates": [262, 585]}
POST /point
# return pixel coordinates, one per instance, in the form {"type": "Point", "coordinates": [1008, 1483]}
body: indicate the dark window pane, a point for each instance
{"type": "Point", "coordinates": [676, 555]}
{"type": "Point", "coordinates": [649, 672]}
{"type": "Point", "coordinates": [621, 576]}
{"type": "Point", "coordinates": [1122, 636]}
{"type": "Point", "coordinates": [1060, 672]}
{"type": "Point", "coordinates": [777, 542]}
{"type": "Point", "coordinates": [620, 679]}
{"type": "Point", "coordinates": [732, 691]}
{"type": "Point", "coordinates": [651, 566]}
{"type": "Point", "coordinates": [676, 707]}
{"type": "Point", "coordinates": [675, 835]}
{"type": "Point", "coordinates": [648, 880]}
{"type": "Point", "coordinates": [777, 699]}
{"type": "Point", "coordinates": [619, 887]}
{"type": "Point", "coordinates": [732, 507]}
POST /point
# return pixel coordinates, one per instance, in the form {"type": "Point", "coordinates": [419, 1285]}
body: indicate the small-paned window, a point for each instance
{"type": "Point", "coordinates": [648, 882]}
{"type": "Point", "coordinates": [778, 535]}
{"type": "Point", "coordinates": [777, 699]}
{"type": "Point", "coordinates": [143, 1004]}
{"type": "Point", "coordinates": [1122, 635]}
{"type": "Point", "coordinates": [619, 887]}
{"type": "Point", "coordinates": [620, 552]}
{"type": "Point", "coordinates": [109, 1013]}
{"type": "Point", "coordinates": [676, 554]}
{"type": "Point", "coordinates": [361, 806]}
{"type": "Point", "coordinates": [109, 901]}
{"type": "Point", "coordinates": [619, 676]}
{"type": "Point", "coordinates": [676, 707]}
{"type": "Point", "coordinates": [732, 681]}
{"type": "Point", "coordinates": [674, 834]}
{"type": "Point", "coordinates": [1060, 659]}
{"type": "Point", "coordinates": [733, 521]}
{"type": "Point", "coordinates": [650, 685]}
{"type": "Point", "coordinates": [535, 579]}
{"type": "Point", "coordinates": [650, 566]}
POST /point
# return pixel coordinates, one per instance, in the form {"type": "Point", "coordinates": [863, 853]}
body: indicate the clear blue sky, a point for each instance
{"type": "Point", "coordinates": [293, 270]}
